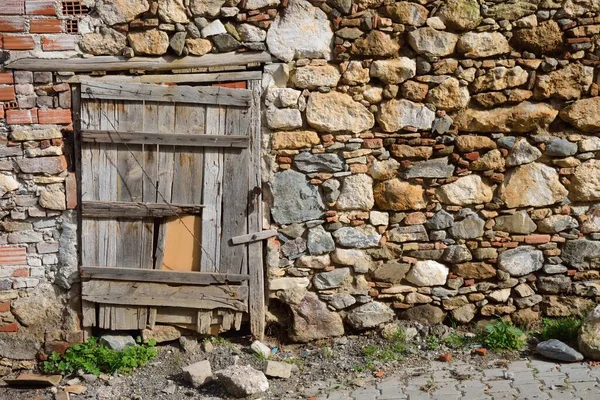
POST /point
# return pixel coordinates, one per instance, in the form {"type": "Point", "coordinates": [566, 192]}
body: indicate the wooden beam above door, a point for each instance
{"type": "Point", "coordinates": [136, 210]}
{"type": "Point", "coordinates": [160, 276]}
{"type": "Point", "coordinates": [117, 63]}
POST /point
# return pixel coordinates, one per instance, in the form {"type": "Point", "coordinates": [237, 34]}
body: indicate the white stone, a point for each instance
{"type": "Point", "coordinates": [356, 258]}
{"type": "Point", "coordinates": [432, 42]}
{"type": "Point", "coordinates": [202, 8]}
{"type": "Point", "coordinates": [394, 71]}
{"type": "Point", "coordinates": [484, 44]}
{"type": "Point", "coordinates": [53, 200]}
{"type": "Point", "coordinates": [256, 4]}
{"type": "Point", "coordinates": [115, 12]}
{"type": "Point", "coordinates": [278, 369]}
{"type": "Point", "coordinates": [283, 118]}
{"type": "Point", "coordinates": [395, 115]}
{"type": "Point", "coordinates": [261, 349]}
{"type": "Point", "coordinates": [315, 76]}
{"type": "Point", "coordinates": [427, 273]}
{"type": "Point", "coordinates": [288, 283]}
{"type": "Point", "coordinates": [214, 28]}
{"type": "Point", "coordinates": [436, 23]}
{"type": "Point", "coordinates": [300, 31]}
{"type": "Point", "coordinates": [590, 144]}
{"type": "Point", "coordinates": [251, 33]}
{"type": "Point", "coordinates": [172, 11]}
{"type": "Point", "coordinates": [337, 112]}
{"type": "Point", "coordinates": [465, 191]}
{"type": "Point", "coordinates": [500, 296]}
{"type": "Point", "coordinates": [356, 193]}
{"type": "Point", "coordinates": [379, 218]}
{"type": "Point", "coordinates": [198, 373]}
{"type": "Point", "coordinates": [7, 184]}
{"type": "Point", "coordinates": [242, 381]}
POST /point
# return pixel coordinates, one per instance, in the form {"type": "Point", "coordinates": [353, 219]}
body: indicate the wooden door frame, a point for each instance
{"type": "Point", "coordinates": [256, 297]}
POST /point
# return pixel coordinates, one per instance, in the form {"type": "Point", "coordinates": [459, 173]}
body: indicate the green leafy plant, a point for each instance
{"type": "Point", "coordinates": [433, 342]}
{"type": "Point", "coordinates": [328, 352]}
{"type": "Point", "coordinates": [502, 335]}
{"type": "Point", "coordinates": [390, 351]}
{"type": "Point", "coordinates": [217, 341]}
{"type": "Point", "coordinates": [564, 329]}
{"type": "Point", "coordinates": [95, 358]}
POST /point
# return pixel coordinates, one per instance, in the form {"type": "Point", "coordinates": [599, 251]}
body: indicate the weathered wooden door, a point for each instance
{"type": "Point", "coordinates": [169, 176]}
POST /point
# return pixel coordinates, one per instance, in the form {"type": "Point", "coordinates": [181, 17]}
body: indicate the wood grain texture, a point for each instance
{"type": "Point", "coordinates": [256, 301]}
{"type": "Point", "coordinates": [145, 275]}
{"type": "Point", "coordinates": [165, 63]}
{"type": "Point", "coordinates": [174, 139]}
{"type": "Point", "coordinates": [174, 94]}
{"type": "Point", "coordinates": [136, 210]}
{"type": "Point", "coordinates": [170, 78]}
{"type": "Point", "coordinates": [156, 294]}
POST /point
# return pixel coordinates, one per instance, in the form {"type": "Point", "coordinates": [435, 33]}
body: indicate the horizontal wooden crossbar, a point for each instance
{"type": "Point", "coordinates": [166, 94]}
{"type": "Point", "coordinates": [169, 78]}
{"type": "Point", "coordinates": [166, 63]}
{"type": "Point", "coordinates": [235, 141]}
{"type": "Point", "coordinates": [136, 210]}
{"type": "Point", "coordinates": [159, 276]}
{"type": "Point", "coordinates": [165, 295]}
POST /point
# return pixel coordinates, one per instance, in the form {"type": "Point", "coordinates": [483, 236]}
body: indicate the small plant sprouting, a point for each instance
{"type": "Point", "coordinates": [502, 335]}
{"type": "Point", "coordinates": [328, 352]}
{"type": "Point", "coordinates": [433, 342]}
{"type": "Point", "coordinates": [430, 385]}
{"type": "Point", "coordinates": [95, 358]}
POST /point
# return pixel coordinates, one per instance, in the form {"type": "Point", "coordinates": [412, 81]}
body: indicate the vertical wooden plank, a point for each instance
{"type": "Point", "coordinates": [149, 181]}
{"type": "Point", "coordinates": [256, 300]}
{"type": "Point", "coordinates": [235, 195]}
{"type": "Point", "coordinates": [90, 170]}
{"type": "Point", "coordinates": [152, 317]}
{"type": "Point", "coordinates": [203, 322]}
{"type": "Point", "coordinates": [187, 168]}
{"type": "Point", "coordinates": [212, 193]}
{"type": "Point", "coordinates": [88, 317]}
{"type": "Point", "coordinates": [166, 156]}
{"type": "Point", "coordinates": [107, 229]}
{"type": "Point", "coordinates": [129, 178]}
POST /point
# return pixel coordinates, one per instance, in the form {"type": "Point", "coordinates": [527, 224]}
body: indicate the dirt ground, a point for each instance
{"type": "Point", "coordinates": [349, 362]}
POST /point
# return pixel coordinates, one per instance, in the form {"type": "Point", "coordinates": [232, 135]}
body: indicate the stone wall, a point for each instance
{"type": "Point", "coordinates": [428, 160]}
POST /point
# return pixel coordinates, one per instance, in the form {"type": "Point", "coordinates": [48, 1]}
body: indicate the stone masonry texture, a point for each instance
{"type": "Point", "coordinates": [425, 160]}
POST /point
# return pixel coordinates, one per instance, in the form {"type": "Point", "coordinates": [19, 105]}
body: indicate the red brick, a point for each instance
{"type": "Point", "coordinates": [59, 347]}
{"type": "Point", "coordinates": [231, 85]}
{"type": "Point", "coordinates": [5, 306]}
{"type": "Point", "coordinates": [12, 25]}
{"type": "Point", "coordinates": [12, 327]}
{"type": "Point", "coordinates": [16, 117]}
{"type": "Point", "coordinates": [18, 42]}
{"type": "Point", "coordinates": [537, 239]}
{"type": "Point", "coordinates": [71, 191]}
{"type": "Point", "coordinates": [20, 273]}
{"type": "Point", "coordinates": [58, 43]}
{"type": "Point", "coordinates": [48, 25]}
{"type": "Point", "coordinates": [40, 7]}
{"type": "Point", "coordinates": [8, 7]}
{"type": "Point", "coordinates": [6, 78]}
{"type": "Point", "coordinates": [1, 111]}
{"type": "Point", "coordinates": [7, 93]}
{"type": "Point", "coordinates": [58, 116]}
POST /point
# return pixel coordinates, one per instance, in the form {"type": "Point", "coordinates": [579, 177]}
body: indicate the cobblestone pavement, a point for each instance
{"type": "Point", "coordinates": [525, 379]}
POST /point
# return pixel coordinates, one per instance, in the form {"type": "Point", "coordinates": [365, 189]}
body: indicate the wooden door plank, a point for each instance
{"type": "Point", "coordinates": [253, 237]}
{"type": "Point", "coordinates": [234, 259]}
{"type": "Point", "coordinates": [212, 191]}
{"type": "Point", "coordinates": [170, 78]}
{"type": "Point", "coordinates": [90, 170]}
{"type": "Point", "coordinates": [187, 172]}
{"type": "Point", "coordinates": [175, 94]}
{"type": "Point", "coordinates": [161, 295]}
{"type": "Point", "coordinates": [174, 139]}
{"type": "Point", "coordinates": [166, 159]}
{"type": "Point", "coordinates": [145, 275]}
{"type": "Point", "coordinates": [129, 177]}
{"type": "Point", "coordinates": [133, 210]}
{"type": "Point", "coordinates": [204, 321]}
{"type": "Point", "coordinates": [149, 182]}
{"type": "Point", "coordinates": [256, 302]}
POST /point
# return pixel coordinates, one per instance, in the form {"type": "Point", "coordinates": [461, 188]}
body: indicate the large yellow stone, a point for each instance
{"type": "Point", "coordinates": [294, 140]}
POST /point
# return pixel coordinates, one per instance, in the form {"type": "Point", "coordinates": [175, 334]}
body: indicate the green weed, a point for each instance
{"type": "Point", "coordinates": [95, 358]}
{"type": "Point", "coordinates": [433, 342]}
{"type": "Point", "coordinates": [328, 352]}
{"type": "Point", "coordinates": [564, 329]}
{"type": "Point", "coordinates": [502, 335]}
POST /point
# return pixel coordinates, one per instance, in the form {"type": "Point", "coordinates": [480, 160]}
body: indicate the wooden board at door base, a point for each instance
{"type": "Point", "coordinates": [216, 183]}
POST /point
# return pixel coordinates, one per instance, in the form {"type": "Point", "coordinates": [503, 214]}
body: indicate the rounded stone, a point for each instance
{"type": "Point", "coordinates": [428, 273]}
{"type": "Point", "coordinates": [521, 261]}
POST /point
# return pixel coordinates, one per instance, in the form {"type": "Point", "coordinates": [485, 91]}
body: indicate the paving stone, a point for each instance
{"type": "Point", "coordinates": [494, 373]}
{"type": "Point", "coordinates": [500, 387]}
